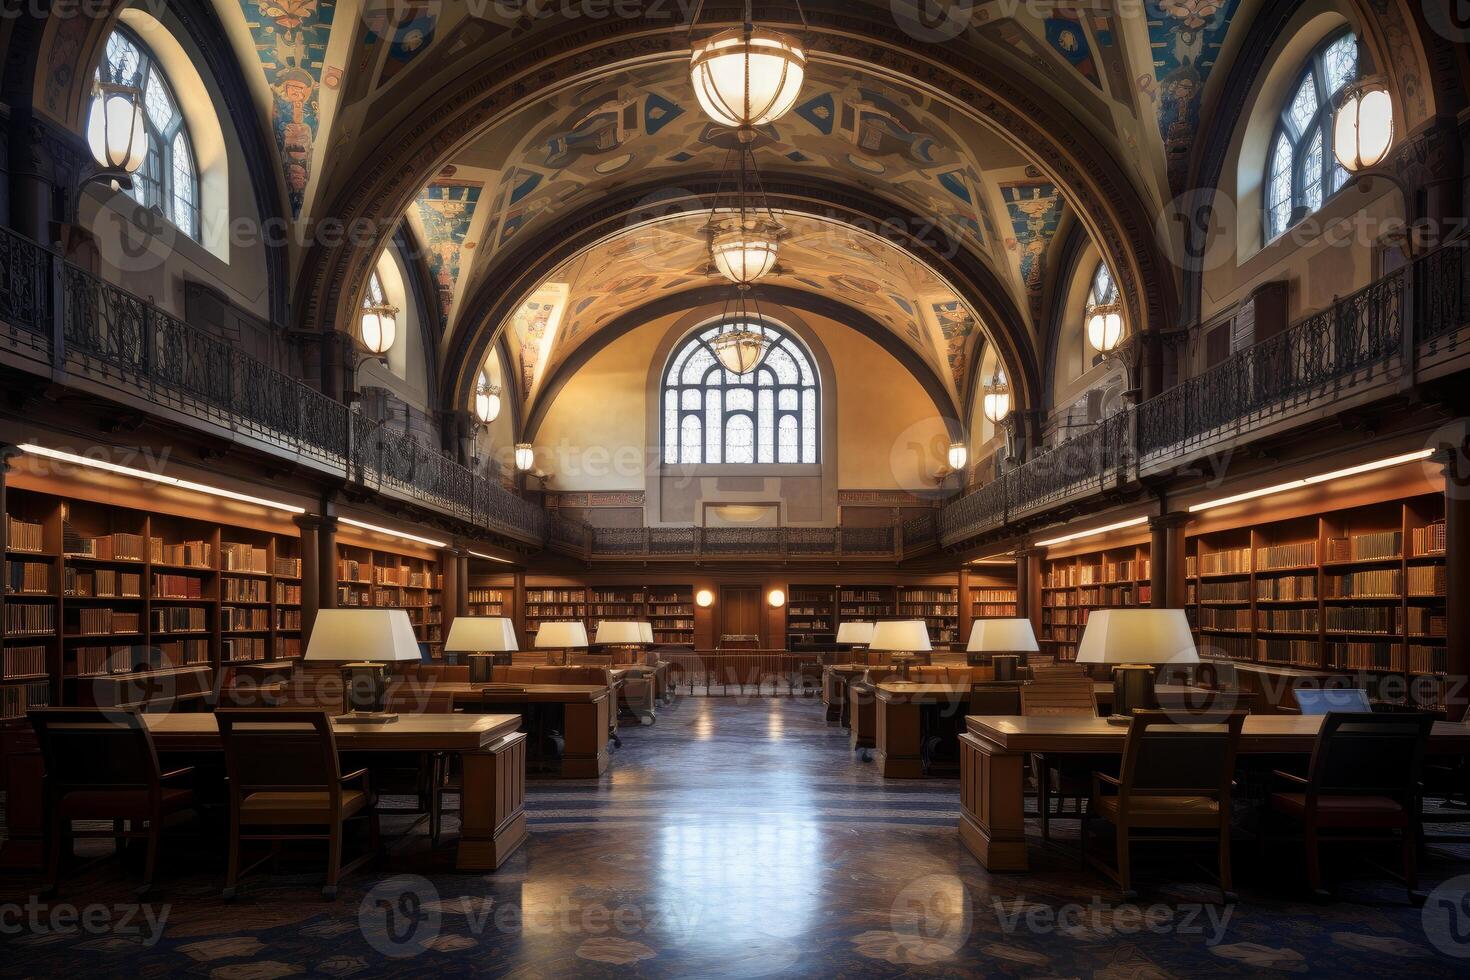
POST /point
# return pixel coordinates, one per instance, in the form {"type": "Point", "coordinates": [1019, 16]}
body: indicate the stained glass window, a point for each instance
{"type": "Point", "coordinates": [1301, 170]}
{"type": "Point", "coordinates": [712, 416]}
{"type": "Point", "coordinates": [168, 181]}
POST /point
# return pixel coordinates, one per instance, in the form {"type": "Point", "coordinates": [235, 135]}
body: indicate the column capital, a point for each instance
{"type": "Point", "coordinates": [1176, 519]}
{"type": "Point", "coordinates": [315, 522]}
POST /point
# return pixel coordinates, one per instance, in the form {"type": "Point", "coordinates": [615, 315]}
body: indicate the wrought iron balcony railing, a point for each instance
{"type": "Point", "coordinates": [796, 544]}
{"type": "Point", "coordinates": [1360, 346]}
{"type": "Point", "coordinates": [111, 337]}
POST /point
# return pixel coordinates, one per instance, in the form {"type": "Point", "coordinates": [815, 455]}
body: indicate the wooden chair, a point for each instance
{"type": "Point", "coordinates": [1064, 779]}
{"type": "Point", "coordinates": [1363, 776]}
{"type": "Point", "coordinates": [1175, 777]}
{"type": "Point", "coordinates": [403, 774]}
{"type": "Point", "coordinates": [102, 765]}
{"type": "Point", "coordinates": [286, 784]}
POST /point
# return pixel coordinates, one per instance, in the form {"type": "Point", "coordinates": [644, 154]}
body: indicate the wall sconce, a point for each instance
{"type": "Point", "coordinates": [379, 328]}
{"type": "Point", "coordinates": [1105, 327]}
{"type": "Point", "coordinates": [704, 599]}
{"type": "Point", "coordinates": [525, 456]}
{"type": "Point", "coordinates": [958, 456]}
{"type": "Point", "coordinates": [997, 398]}
{"type": "Point", "coordinates": [487, 400]}
{"type": "Point", "coordinates": [777, 598]}
{"type": "Point", "coordinates": [117, 133]}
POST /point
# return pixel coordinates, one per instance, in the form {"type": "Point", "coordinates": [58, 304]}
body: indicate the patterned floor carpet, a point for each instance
{"type": "Point", "coordinates": [738, 838]}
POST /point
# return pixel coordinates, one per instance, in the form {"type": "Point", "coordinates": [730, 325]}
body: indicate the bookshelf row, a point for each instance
{"type": "Point", "coordinates": [814, 612]}
{"type": "Point", "coordinates": [668, 608]}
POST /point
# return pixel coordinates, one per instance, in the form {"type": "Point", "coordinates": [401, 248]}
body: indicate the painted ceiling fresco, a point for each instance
{"type": "Point", "coordinates": [639, 266]}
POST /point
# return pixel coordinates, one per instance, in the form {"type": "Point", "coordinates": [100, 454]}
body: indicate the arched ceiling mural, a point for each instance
{"type": "Point", "coordinates": [633, 269]}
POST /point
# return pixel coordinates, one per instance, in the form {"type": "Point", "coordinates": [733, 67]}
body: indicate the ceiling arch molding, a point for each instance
{"type": "Point", "coordinates": [714, 295]}
{"type": "Point", "coordinates": [977, 78]}
{"type": "Point", "coordinates": [496, 298]}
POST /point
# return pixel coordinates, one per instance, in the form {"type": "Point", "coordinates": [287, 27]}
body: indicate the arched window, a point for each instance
{"type": "Point", "coordinates": [767, 416]}
{"type": "Point", "coordinates": [1301, 169]}
{"type": "Point", "coordinates": [168, 181]}
{"type": "Point", "coordinates": [375, 295]}
{"type": "Point", "coordinates": [1104, 292]}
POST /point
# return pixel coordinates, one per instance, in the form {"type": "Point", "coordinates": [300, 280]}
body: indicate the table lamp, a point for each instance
{"type": "Point", "coordinates": [563, 636]}
{"type": "Point", "coordinates": [484, 639]}
{"type": "Point", "coordinates": [855, 635]}
{"type": "Point", "coordinates": [365, 642]}
{"type": "Point", "coordinates": [905, 639]}
{"type": "Point", "coordinates": [611, 633]}
{"type": "Point", "coordinates": [1006, 641]}
{"type": "Point", "coordinates": [1134, 642]}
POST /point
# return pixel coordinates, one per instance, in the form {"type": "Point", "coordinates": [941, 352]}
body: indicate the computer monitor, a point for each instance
{"type": "Point", "coordinates": [1319, 701]}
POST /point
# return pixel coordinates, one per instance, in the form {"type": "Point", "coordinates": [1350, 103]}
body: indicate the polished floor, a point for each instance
{"type": "Point", "coordinates": [736, 838]}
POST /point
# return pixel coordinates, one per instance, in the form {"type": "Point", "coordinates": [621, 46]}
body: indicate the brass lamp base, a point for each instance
{"type": "Point", "coordinates": [364, 691]}
{"type": "Point", "coordinates": [903, 661]}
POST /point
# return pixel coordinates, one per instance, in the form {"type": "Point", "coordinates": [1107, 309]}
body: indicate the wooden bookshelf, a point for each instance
{"type": "Point", "coordinates": [811, 610]}
{"type": "Point", "coordinates": [553, 605]}
{"type": "Point", "coordinates": [377, 578]}
{"type": "Point", "coordinates": [614, 604]}
{"type": "Point", "coordinates": [1074, 585]}
{"type": "Point", "coordinates": [937, 606]}
{"type": "Point", "coordinates": [671, 613]}
{"type": "Point", "coordinates": [992, 602]}
{"type": "Point", "coordinates": [866, 603]}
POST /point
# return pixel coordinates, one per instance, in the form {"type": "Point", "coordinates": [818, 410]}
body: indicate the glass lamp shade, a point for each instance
{"type": "Point", "coordinates": [116, 131]}
{"type": "Point", "coordinates": [747, 77]}
{"type": "Point", "coordinates": [561, 636]}
{"type": "Point", "coordinates": [1000, 636]}
{"type": "Point", "coordinates": [958, 456]}
{"type": "Point", "coordinates": [776, 598]}
{"type": "Point", "coordinates": [481, 634]}
{"type": "Point", "coordinates": [1137, 636]}
{"type": "Point", "coordinates": [1362, 132]}
{"type": "Point", "coordinates": [997, 400]}
{"type": "Point", "coordinates": [487, 403]}
{"type": "Point", "coordinates": [901, 636]}
{"type": "Point", "coordinates": [741, 351]}
{"type": "Point", "coordinates": [744, 256]}
{"type": "Point", "coordinates": [525, 456]}
{"type": "Point", "coordinates": [379, 328]}
{"type": "Point", "coordinates": [704, 599]}
{"type": "Point", "coordinates": [1105, 328]}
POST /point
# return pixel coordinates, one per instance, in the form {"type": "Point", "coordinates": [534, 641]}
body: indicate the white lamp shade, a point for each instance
{"type": "Point", "coordinates": [116, 131]}
{"type": "Point", "coordinates": [525, 456]}
{"type": "Point", "coordinates": [741, 351]}
{"type": "Point", "coordinates": [487, 403]}
{"type": "Point", "coordinates": [1362, 133]}
{"type": "Point", "coordinates": [958, 456]}
{"type": "Point", "coordinates": [481, 634]}
{"type": "Point", "coordinates": [379, 329]}
{"type": "Point", "coordinates": [997, 403]}
{"type": "Point", "coordinates": [1105, 330]}
{"type": "Point", "coordinates": [742, 82]}
{"type": "Point", "coordinates": [645, 631]}
{"type": "Point", "coordinates": [857, 634]}
{"type": "Point", "coordinates": [619, 634]}
{"type": "Point", "coordinates": [744, 256]}
{"type": "Point", "coordinates": [901, 636]}
{"type": "Point", "coordinates": [363, 636]}
{"type": "Point", "coordinates": [1002, 636]}
{"type": "Point", "coordinates": [562, 636]}
{"type": "Point", "coordinates": [1137, 636]}
{"type": "Point", "coordinates": [704, 599]}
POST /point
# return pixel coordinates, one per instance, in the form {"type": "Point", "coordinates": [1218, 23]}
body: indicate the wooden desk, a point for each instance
{"type": "Point", "coordinates": [994, 746]}
{"type": "Point", "coordinates": [900, 731]}
{"type": "Point", "coordinates": [587, 710]}
{"type": "Point", "coordinates": [492, 816]}
{"type": "Point", "coordinates": [1181, 697]}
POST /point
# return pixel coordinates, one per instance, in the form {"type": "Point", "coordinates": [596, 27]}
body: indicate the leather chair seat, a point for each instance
{"type": "Point", "coordinates": [1169, 811]}
{"type": "Point", "coordinates": [1344, 811]}
{"type": "Point", "coordinates": [305, 807]}
{"type": "Point", "coordinates": [105, 804]}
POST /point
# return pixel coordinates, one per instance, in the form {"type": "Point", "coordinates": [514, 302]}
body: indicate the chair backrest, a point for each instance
{"type": "Point", "coordinates": [530, 658]}
{"type": "Point", "coordinates": [1369, 755]}
{"type": "Point", "coordinates": [1049, 673]}
{"type": "Point", "coordinates": [419, 699]}
{"type": "Point", "coordinates": [1320, 701]}
{"type": "Point", "coordinates": [279, 750]}
{"type": "Point", "coordinates": [995, 698]}
{"type": "Point", "coordinates": [1180, 755]}
{"type": "Point", "coordinates": [96, 749]}
{"type": "Point", "coordinates": [1062, 697]}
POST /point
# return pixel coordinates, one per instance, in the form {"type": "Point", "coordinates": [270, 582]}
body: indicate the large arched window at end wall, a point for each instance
{"type": "Point", "coordinates": [168, 181]}
{"type": "Point", "coordinates": [1301, 169]}
{"type": "Point", "coordinates": [713, 416]}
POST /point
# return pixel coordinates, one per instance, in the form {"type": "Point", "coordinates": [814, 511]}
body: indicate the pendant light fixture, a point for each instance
{"type": "Point", "coordinates": [116, 131]}
{"type": "Point", "coordinates": [997, 398]}
{"type": "Point", "coordinates": [1105, 327]}
{"type": "Point", "coordinates": [747, 76]}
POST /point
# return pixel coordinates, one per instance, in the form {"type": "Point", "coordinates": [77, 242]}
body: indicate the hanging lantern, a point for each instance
{"type": "Point", "coordinates": [1105, 327]}
{"type": "Point", "coordinates": [741, 351]}
{"type": "Point", "coordinates": [747, 76]}
{"type": "Point", "coordinates": [379, 328]}
{"type": "Point", "coordinates": [116, 130]}
{"type": "Point", "coordinates": [1362, 133]}
{"type": "Point", "coordinates": [487, 401]}
{"type": "Point", "coordinates": [525, 456]}
{"type": "Point", "coordinates": [744, 255]}
{"type": "Point", "coordinates": [997, 403]}
{"type": "Point", "coordinates": [958, 456]}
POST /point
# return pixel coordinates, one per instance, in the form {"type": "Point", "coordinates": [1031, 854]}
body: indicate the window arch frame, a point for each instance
{"type": "Point", "coordinates": [762, 418]}
{"type": "Point", "coordinates": [1331, 177]}
{"type": "Point", "coordinates": [157, 190]}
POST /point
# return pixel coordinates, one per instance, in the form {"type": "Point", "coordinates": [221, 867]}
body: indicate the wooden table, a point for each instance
{"type": "Point", "coordinates": [994, 746]}
{"type": "Point", "coordinates": [900, 730]}
{"type": "Point", "coordinates": [835, 680]}
{"type": "Point", "coordinates": [587, 721]}
{"type": "Point", "coordinates": [492, 750]}
{"type": "Point", "coordinates": [1180, 697]}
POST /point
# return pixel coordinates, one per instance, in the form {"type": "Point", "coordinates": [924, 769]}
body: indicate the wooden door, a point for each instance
{"type": "Point", "coordinates": [740, 611]}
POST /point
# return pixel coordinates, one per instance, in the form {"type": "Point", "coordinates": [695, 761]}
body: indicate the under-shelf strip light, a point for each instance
{"type": "Point", "coordinates": [1381, 464]}
{"type": "Point", "coordinates": [1093, 533]}
{"type": "Point", "coordinates": [394, 534]}
{"type": "Point", "coordinates": [169, 481]}
{"type": "Point", "coordinates": [481, 554]}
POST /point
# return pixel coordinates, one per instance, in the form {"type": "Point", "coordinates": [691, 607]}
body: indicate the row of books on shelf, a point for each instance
{"type": "Point", "coordinates": [671, 598]}
{"type": "Point", "coordinates": [877, 596]}
{"type": "Point", "coordinates": [398, 598]}
{"type": "Point", "coordinates": [92, 661]}
{"type": "Point", "coordinates": [194, 554]}
{"type": "Point", "coordinates": [1428, 540]}
{"type": "Point", "coordinates": [1424, 621]}
{"type": "Point", "coordinates": [29, 619]}
{"type": "Point", "coordinates": [1231, 561]}
{"type": "Point", "coordinates": [22, 662]}
{"type": "Point", "coordinates": [993, 595]}
{"type": "Point", "coordinates": [1285, 588]}
{"type": "Point", "coordinates": [674, 609]}
{"type": "Point", "coordinates": [614, 598]}
{"type": "Point", "coordinates": [179, 619]}
{"type": "Point", "coordinates": [288, 595]}
{"type": "Point", "coordinates": [1364, 655]}
{"type": "Point", "coordinates": [663, 636]}
{"type": "Point", "coordinates": [1427, 580]}
{"type": "Point", "coordinates": [936, 610]}
{"type": "Point", "coordinates": [288, 619]}
{"type": "Point", "coordinates": [243, 590]}
{"type": "Point", "coordinates": [103, 622]}
{"type": "Point", "coordinates": [287, 567]}
{"type": "Point", "coordinates": [407, 578]}
{"type": "Point", "coordinates": [555, 596]}
{"type": "Point", "coordinates": [17, 699]}
{"type": "Point", "coordinates": [23, 577]}
{"type": "Point", "coordinates": [1382, 583]}
{"type": "Point", "coordinates": [1377, 655]}
{"type": "Point", "coordinates": [1286, 556]}
{"type": "Point", "coordinates": [238, 649]}
{"type": "Point", "coordinates": [23, 535]}
{"type": "Point", "coordinates": [1366, 547]}
{"type": "Point", "coordinates": [242, 558]}
{"type": "Point", "coordinates": [993, 610]}
{"type": "Point", "coordinates": [105, 547]}
{"type": "Point", "coordinates": [177, 586]}
{"type": "Point", "coordinates": [102, 583]}
{"type": "Point", "coordinates": [908, 596]}
{"type": "Point", "coordinates": [486, 597]}
{"type": "Point", "coordinates": [608, 610]}
{"type": "Point", "coordinates": [235, 618]}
